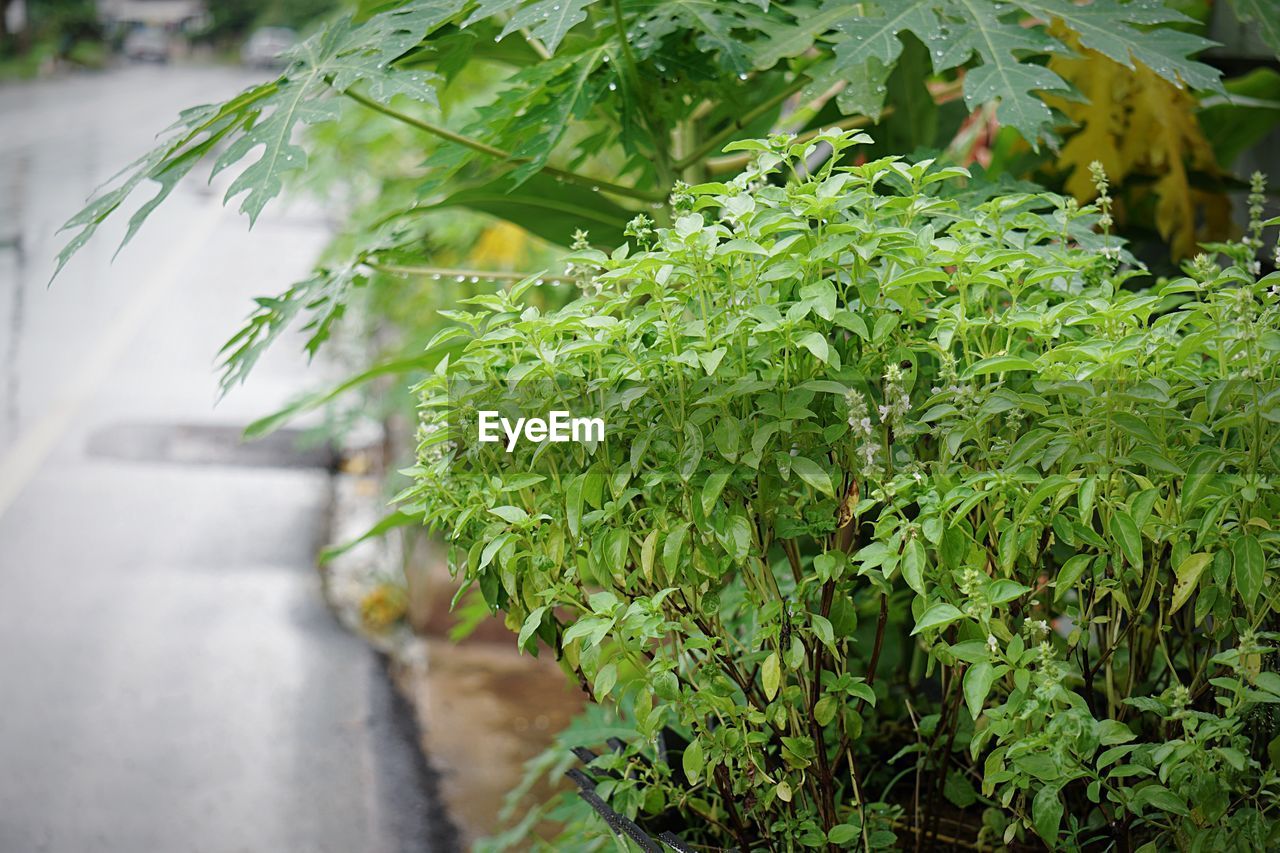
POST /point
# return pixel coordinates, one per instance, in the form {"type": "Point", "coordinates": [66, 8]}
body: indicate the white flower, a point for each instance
{"type": "Point", "coordinates": [1046, 657]}
{"type": "Point", "coordinates": [439, 452]}
{"type": "Point", "coordinates": [860, 425]}
{"type": "Point", "coordinates": [868, 452]}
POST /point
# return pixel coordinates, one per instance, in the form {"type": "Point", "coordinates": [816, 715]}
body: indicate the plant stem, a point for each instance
{"type": "Point", "coordinates": [793, 558]}
{"type": "Point", "coordinates": [449, 272]}
{"type": "Point", "coordinates": [726, 794]}
{"type": "Point", "coordinates": [499, 154]}
{"type": "Point", "coordinates": [716, 140]}
{"type": "Point", "coordinates": [627, 56]}
{"type": "Point", "coordinates": [945, 839]}
{"type": "Point", "coordinates": [875, 648]}
{"type": "Point", "coordinates": [826, 806]}
{"type": "Point", "coordinates": [934, 814]}
{"type": "Point", "coordinates": [736, 162]}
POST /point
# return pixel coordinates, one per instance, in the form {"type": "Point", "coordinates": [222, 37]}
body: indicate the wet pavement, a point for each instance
{"type": "Point", "coordinates": [170, 679]}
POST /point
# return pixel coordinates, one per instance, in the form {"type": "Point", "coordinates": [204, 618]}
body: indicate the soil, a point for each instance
{"type": "Point", "coordinates": [483, 708]}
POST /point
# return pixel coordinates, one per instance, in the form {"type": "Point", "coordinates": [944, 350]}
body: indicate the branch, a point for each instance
{"type": "Point", "coordinates": [499, 154]}
{"type": "Point", "coordinates": [449, 272]}
{"type": "Point", "coordinates": [537, 46]}
{"type": "Point", "coordinates": [942, 93]}
{"type": "Point", "coordinates": [719, 139]}
{"type": "Point", "coordinates": [734, 162]}
{"type": "Point", "coordinates": [627, 56]}
{"type": "Point", "coordinates": [872, 665]}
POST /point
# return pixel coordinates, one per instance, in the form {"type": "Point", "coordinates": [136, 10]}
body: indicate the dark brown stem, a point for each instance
{"type": "Point", "coordinates": [740, 831]}
{"type": "Point", "coordinates": [1087, 671]}
{"type": "Point", "coordinates": [881, 624]}
{"type": "Point", "coordinates": [946, 758]}
{"type": "Point", "coordinates": [729, 668]}
{"type": "Point", "coordinates": [848, 525]}
{"type": "Point", "coordinates": [1124, 639]}
{"type": "Point", "coordinates": [793, 557]}
{"type": "Point", "coordinates": [826, 805]}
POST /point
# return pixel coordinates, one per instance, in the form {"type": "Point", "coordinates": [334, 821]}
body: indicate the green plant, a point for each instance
{"type": "Point", "coordinates": [53, 29]}
{"type": "Point", "coordinates": [605, 104]}
{"type": "Point", "coordinates": [912, 501]}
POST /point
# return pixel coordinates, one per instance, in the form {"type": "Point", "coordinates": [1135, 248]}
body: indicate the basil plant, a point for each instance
{"type": "Point", "coordinates": [921, 516]}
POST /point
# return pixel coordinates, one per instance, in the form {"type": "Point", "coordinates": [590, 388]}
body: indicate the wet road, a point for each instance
{"type": "Point", "coordinates": [170, 679]}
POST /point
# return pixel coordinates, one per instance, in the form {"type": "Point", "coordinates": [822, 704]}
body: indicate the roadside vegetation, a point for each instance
{"type": "Point", "coordinates": [230, 21]}
{"type": "Point", "coordinates": [70, 34]}
{"type": "Point", "coordinates": [937, 503]}
{"type": "Point", "coordinates": [61, 30]}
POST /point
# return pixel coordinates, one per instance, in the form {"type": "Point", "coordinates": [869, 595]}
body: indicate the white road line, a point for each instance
{"type": "Point", "coordinates": [33, 446]}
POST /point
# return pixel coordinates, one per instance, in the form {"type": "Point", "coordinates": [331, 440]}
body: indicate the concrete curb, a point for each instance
{"type": "Point", "coordinates": [481, 709]}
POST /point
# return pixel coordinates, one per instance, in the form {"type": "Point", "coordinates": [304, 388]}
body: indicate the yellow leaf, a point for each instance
{"type": "Point", "coordinates": [501, 246]}
{"type": "Point", "coordinates": [1188, 575]}
{"type": "Point", "coordinates": [1144, 131]}
{"type": "Point", "coordinates": [772, 676]}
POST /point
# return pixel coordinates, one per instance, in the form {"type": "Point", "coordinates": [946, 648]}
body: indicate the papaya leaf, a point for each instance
{"type": "Point", "coordinates": [1252, 110]}
{"type": "Point", "coordinates": [953, 31]}
{"type": "Point", "coordinates": [546, 208]}
{"type": "Point", "coordinates": [1006, 39]}
{"type": "Point", "coordinates": [310, 402]}
{"type": "Point", "coordinates": [1142, 128]}
{"type": "Point", "coordinates": [1124, 33]}
{"type": "Point", "coordinates": [323, 296]}
{"type": "Point", "coordinates": [266, 118]}
{"type": "Point", "coordinates": [549, 21]}
{"type": "Point", "coordinates": [716, 23]}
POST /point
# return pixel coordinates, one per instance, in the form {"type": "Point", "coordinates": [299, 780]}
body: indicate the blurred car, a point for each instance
{"type": "Point", "coordinates": [267, 46]}
{"type": "Point", "coordinates": [147, 44]}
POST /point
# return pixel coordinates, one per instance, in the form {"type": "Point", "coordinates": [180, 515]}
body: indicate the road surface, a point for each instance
{"type": "Point", "coordinates": [170, 679]}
